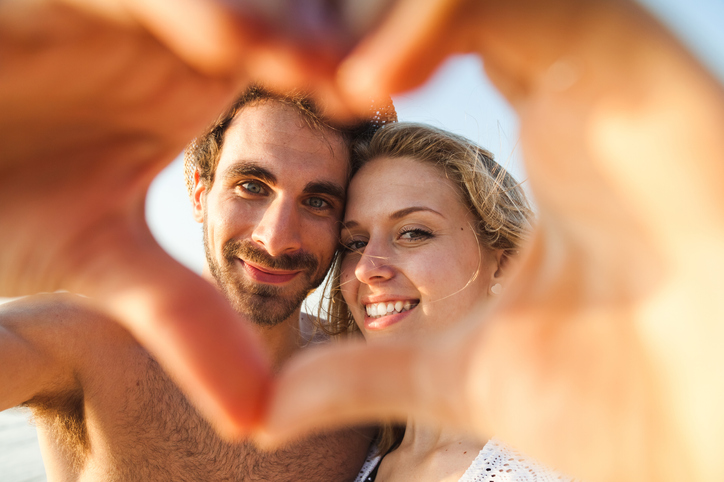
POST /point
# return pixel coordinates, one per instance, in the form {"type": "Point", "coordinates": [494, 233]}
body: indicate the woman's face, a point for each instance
{"type": "Point", "coordinates": [413, 265]}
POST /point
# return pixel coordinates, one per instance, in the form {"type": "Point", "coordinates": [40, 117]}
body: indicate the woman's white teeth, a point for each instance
{"type": "Point", "coordinates": [382, 309]}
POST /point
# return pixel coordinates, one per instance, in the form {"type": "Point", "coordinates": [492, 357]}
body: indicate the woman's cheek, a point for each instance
{"type": "Point", "coordinates": [428, 273]}
{"type": "Point", "coordinates": [347, 286]}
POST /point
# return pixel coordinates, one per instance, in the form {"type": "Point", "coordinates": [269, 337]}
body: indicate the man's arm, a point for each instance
{"type": "Point", "coordinates": [37, 342]}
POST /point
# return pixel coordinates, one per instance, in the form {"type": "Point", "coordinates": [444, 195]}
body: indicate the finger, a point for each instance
{"type": "Point", "coordinates": [349, 384]}
{"type": "Point", "coordinates": [202, 33]}
{"type": "Point", "coordinates": [404, 51]}
{"type": "Point", "coordinates": [215, 40]}
{"type": "Point", "coordinates": [183, 321]}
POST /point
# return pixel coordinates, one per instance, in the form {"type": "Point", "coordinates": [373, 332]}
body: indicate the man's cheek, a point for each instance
{"type": "Point", "coordinates": [326, 238]}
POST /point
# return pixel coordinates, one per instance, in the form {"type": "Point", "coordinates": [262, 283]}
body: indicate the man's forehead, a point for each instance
{"type": "Point", "coordinates": [277, 136]}
{"type": "Point", "coordinates": [269, 119]}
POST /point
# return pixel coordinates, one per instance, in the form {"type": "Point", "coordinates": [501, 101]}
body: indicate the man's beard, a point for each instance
{"type": "Point", "coordinates": [266, 305]}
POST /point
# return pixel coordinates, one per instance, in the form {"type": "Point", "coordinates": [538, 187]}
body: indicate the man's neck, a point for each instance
{"type": "Point", "coordinates": [282, 340]}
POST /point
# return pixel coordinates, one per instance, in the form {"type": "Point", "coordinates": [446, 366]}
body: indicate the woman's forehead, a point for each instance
{"type": "Point", "coordinates": [385, 185]}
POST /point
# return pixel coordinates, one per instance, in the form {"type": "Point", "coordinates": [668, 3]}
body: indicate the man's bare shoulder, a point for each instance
{"type": "Point", "coordinates": [61, 325]}
{"type": "Point", "coordinates": [54, 311]}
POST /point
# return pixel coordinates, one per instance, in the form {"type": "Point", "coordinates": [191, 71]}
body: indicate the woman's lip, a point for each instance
{"type": "Point", "coordinates": [376, 324]}
{"type": "Point", "coordinates": [265, 275]}
{"type": "Point", "coordinates": [387, 299]}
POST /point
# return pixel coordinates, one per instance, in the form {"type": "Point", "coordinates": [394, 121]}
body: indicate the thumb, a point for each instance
{"type": "Point", "coordinates": [183, 321]}
{"type": "Point", "coordinates": [201, 32]}
{"type": "Point", "coordinates": [414, 39]}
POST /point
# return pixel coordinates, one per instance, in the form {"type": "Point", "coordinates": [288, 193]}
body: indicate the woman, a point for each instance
{"type": "Point", "coordinates": [432, 227]}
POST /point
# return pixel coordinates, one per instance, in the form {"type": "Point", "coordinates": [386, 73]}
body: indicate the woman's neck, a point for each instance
{"type": "Point", "coordinates": [424, 438]}
{"type": "Point", "coordinates": [430, 453]}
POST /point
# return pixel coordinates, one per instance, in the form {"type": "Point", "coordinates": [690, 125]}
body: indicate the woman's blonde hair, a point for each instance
{"type": "Point", "coordinates": [496, 200]}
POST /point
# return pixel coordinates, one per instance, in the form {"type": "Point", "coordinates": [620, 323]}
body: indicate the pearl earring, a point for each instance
{"type": "Point", "coordinates": [496, 289]}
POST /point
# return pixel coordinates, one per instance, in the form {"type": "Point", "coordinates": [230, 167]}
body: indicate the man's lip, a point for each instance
{"type": "Point", "coordinates": [267, 275]}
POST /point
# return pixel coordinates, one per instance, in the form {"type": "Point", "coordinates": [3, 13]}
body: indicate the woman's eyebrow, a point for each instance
{"type": "Point", "coordinates": [349, 224]}
{"type": "Point", "coordinates": [396, 215]}
{"type": "Point", "coordinates": [414, 209]}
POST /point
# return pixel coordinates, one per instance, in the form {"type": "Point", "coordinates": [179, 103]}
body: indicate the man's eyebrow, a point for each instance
{"type": "Point", "coordinates": [250, 169]}
{"type": "Point", "coordinates": [325, 187]}
{"type": "Point", "coordinates": [397, 215]}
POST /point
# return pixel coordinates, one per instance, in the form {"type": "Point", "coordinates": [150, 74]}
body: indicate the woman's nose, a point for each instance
{"type": "Point", "coordinates": [374, 265]}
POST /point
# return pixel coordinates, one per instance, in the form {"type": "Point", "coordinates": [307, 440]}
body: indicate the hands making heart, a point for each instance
{"type": "Point", "coordinates": [604, 356]}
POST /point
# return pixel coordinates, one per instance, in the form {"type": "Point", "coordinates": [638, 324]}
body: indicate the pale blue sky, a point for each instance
{"type": "Point", "coordinates": [458, 98]}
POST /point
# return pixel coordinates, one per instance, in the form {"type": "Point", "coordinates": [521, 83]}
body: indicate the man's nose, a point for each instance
{"type": "Point", "coordinates": [278, 231]}
{"type": "Point", "coordinates": [375, 265]}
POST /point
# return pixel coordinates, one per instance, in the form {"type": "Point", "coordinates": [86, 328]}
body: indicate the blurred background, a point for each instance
{"type": "Point", "coordinates": [458, 98]}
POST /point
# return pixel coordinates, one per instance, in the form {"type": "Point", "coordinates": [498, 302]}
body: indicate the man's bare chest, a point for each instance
{"type": "Point", "coordinates": [165, 436]}
{"type": "Point", "coordinates": [138, 425]}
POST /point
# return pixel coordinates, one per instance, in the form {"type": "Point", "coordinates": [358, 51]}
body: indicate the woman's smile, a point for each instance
{"type": "Point", "coordinates": [382, 314]}
{"type": "Point", "coordinates": [409, 243]}
{"type": "Point", "coordinates": [384, 321]}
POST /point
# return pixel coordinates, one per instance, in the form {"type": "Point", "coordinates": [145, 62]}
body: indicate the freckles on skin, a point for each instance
{"type": "Point", "coordinates": [452, 276]}
{"type": "Point", "coordinates": [445, 270]}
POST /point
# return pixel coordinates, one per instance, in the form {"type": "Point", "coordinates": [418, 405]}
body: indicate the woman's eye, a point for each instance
{"type": "Point", "coordinates": [415, 235]}
{"type": "Point", "coordinates": [317, 203]}
{"type": "Point", "coordinates": [355, 245]}
{"type": "Point", "coordinates": [253, 187]}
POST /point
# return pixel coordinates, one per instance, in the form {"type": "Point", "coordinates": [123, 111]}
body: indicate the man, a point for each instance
{"type": "Point", "coordinates": [269, 187]}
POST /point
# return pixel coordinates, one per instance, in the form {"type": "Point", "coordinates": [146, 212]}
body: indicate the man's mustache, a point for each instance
{"type": "Point", "coordinates": [300, 261]}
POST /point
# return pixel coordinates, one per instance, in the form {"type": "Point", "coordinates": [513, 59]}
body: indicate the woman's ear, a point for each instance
{"type": "Point", "coordinates": [502, 268]}
{"type": "Point", "coordinates": [198, 197]}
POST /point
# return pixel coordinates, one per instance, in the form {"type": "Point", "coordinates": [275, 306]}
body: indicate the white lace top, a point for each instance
{"type": "Point", "coordinates": [495, 463]}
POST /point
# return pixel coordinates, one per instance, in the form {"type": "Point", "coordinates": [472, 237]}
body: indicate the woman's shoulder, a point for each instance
{"type": "Point", "coordinates": [498, 462]}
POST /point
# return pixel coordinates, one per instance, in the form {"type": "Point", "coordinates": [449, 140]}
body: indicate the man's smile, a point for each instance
{"type": "Point", "coordinates": [262, 274]}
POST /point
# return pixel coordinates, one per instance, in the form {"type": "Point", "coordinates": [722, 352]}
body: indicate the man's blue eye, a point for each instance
{"type": "Point", "coordinates": [317, 203]}
{"type": "Point", "coordinates": [253, 187]}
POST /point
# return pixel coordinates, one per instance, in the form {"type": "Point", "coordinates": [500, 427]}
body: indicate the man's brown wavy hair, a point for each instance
{"type": "Point", "coordinates": [203, 153]}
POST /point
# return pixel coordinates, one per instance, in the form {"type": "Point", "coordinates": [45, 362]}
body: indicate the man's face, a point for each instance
{"type": "Point", "coordinates": [271, 218]}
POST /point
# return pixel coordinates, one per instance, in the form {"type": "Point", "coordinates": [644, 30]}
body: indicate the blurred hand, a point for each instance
{"type": "Point", "coordinates": [96, 97]}
{"type": "Point", "coordinates": [604, 356]}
